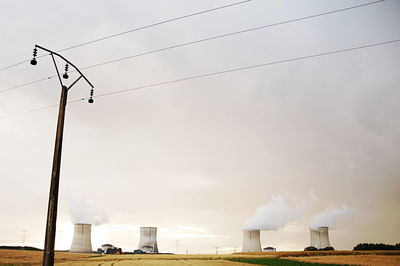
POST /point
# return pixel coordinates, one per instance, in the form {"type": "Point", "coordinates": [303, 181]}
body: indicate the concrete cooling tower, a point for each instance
{"type": "Point", "coordinates": [319, 238]}
{"type": "Point", "coordinates": [251, 241]}
{"type": "Point", "coordinates": [314, 238]}
{"type": "Point", "coordinates": [324, 237]}
{"type": "Point", "coordinates": [82, 241]}
{"type": "Point", "coordinates": [148, 239]}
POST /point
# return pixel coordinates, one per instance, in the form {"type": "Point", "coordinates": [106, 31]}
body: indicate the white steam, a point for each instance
{"type": "Point", "coordinates": [84, 212]}
{"type": "Point", "coordinates": [277, 213]}
{"type": "Point", "coordinates": [330, 216]}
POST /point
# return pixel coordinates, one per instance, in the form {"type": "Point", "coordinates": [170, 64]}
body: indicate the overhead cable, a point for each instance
{"type": "Point", "coordinates": [197, 41]}
{"type": "Point", "coordinates": [214, 74]}
{"type": "Point", "coordinates": [135, 29]}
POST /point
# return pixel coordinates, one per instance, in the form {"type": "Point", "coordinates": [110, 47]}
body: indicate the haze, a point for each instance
{"type": "Point", "coordinates": [196, 158]}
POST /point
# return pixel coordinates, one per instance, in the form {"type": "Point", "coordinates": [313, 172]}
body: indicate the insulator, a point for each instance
{"type": "Point", "coordinates": [34, 52]}
{"type": "Point", "coordinates": [65, 76]}
{"type": "Point", "coordinates": [91, 96]}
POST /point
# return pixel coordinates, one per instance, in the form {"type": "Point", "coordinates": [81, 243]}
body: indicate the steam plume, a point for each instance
{"type": "Point", "coordinates": [330, 216]}
{"type": "Point", "coordinates": [277, 213]}
{"type": "Point", "coordinates": [84, 212]}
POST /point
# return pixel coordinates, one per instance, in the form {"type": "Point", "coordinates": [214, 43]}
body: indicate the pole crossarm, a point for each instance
{"type": "Point", "coordinates": [66, 60]}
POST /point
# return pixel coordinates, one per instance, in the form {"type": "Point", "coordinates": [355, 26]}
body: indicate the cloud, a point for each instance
{"type": "Point", "coordinates": [330, 216]}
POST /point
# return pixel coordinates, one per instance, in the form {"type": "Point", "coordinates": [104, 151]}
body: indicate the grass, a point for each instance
{"type": "Point", "coordinates": [26, 258]}
{"type": "Point", "coordinates": [278, 262]}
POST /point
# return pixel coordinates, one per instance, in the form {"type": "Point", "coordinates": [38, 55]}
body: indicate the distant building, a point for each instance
{"type": "Point", "coordinates": [109, 249]}
{"type": "Point", "coordinates": [104, 247]}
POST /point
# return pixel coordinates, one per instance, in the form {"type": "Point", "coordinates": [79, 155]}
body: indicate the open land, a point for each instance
{"type": "Point", "coordinates": [382, 260]}
{"type": "Point", "coordinates": [22, 257]}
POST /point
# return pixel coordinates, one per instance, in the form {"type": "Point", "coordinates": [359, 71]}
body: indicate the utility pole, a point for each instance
{"type": "Point", "coordinates": [177, 246]}
{"type": "Point", "coordinates": [216, 250]}
{"type": "Point", "coordinates": [48, 253]}
{"type": "Point", "coordinates": [23, 238]}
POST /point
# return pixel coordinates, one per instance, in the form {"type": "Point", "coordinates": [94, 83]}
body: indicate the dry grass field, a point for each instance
{"type": "Point", "coordinates": [27, 257]}
{"type": "Point", "coordinates": [19, 257]}
{"type": "Point", "coordinates": [22, 257]}
{"type": "Point", "coordinates": [381, 260]}
{"type": "Point", "coordinates": [324, 253]}
{"type": "Point", "coordinates": [378, 258]}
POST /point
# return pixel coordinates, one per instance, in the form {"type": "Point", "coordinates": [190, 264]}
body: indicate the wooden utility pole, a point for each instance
{"type": "Point", "coordinates": [48, 253]}
{"type": "Point", "coordinates": [48, 257]}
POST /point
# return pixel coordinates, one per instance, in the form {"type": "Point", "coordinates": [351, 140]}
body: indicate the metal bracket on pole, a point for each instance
{"type": "Point", "coordinates": [63, 58]}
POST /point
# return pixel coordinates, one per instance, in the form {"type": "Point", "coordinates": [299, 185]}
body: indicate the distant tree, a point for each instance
{"type": "Point", "coordinates": [376, 246]}
{"type": "Point", "coordinates": [310, 248]}
{"type": "Point", "coordinates": [19, 248]}
{"type": "Point", "coordinates": [326, 249]}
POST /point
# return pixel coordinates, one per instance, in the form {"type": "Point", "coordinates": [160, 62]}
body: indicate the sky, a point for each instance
{"type": "Point", "coordinates": [200, 158]}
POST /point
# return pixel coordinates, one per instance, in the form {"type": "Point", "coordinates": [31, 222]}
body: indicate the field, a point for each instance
{"type": "Point", "coordinates": [383, 260]}
{"type": "Point", "coordinates": [21, 257]}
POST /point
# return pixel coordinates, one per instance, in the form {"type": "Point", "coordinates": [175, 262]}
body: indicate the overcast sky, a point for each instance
{"type": "Point", "coordinates": [196, 158]}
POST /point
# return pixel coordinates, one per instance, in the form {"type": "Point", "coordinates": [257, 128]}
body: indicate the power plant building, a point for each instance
{"type": "Point", "coordinates": [105, 247]}
{"type": "Point", "coordinates": [319, 238]}
{"type": "Point", "coordinates": [251, 241]}
{"type": "Point", "coordinates": [82, 241]}
{"type": "Point", "coordinates": [148, 239]}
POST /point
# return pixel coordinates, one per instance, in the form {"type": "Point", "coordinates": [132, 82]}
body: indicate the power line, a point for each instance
{"type": "Point", "coordinates": [30, 111]}
{"type": "Point", "coordinates": [215, 74]}
{"type": "Point", "coordinates": [232, 33]}
{"type": "Point", "coordinates": [133, 30]}
{"type": "Point", "coordinates": [199, 41]}
{"type": "Point", "coordinates": [28, 83]}
{"type": "Point", "coordinates": [155, 24]}
{"type": "Point", "coordinates": [38, 109]}
{"type": "Point", "coordinates": [249, 67]}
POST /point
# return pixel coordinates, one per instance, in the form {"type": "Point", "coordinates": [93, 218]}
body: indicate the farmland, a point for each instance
{"type": "Point", "coordinates": [22, 257]}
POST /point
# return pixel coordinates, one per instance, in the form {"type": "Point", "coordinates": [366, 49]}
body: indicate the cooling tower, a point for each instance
{"type": "Point", "coordinates": [324, 237]}
{"type": "Point", "coordinates": [314, 238]}
{"type": "Point", "coordinates": [148, 239]}
{"type": "Point", "coordinates": [251, 241]}
{"type": "Point", "coordinates": [319, 238]}
{"type": "Point", "coordinates": [82, 241]}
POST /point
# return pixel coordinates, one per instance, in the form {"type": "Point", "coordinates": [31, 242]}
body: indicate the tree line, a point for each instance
{"type": "Point", "coordinates": [377, 246]}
